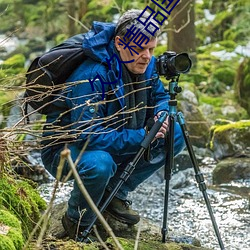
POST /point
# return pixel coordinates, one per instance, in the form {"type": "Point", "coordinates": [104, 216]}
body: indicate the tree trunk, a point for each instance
{"type": "Point", "coordinates": [181, 37]}
{"type": "Point", "coordinates": [83, 7]}
{"type": "Point", "coordinates": [72, 14]}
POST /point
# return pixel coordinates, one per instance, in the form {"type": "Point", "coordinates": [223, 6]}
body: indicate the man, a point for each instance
{"type": "Point", "coordinates": [111, 129]}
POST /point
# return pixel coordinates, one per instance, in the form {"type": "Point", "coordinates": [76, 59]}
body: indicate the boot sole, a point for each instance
{"type": "Point", "coordinates": [121, 219]}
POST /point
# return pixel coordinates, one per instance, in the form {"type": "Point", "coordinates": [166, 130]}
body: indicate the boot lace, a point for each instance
{"type": "Point", "coordinates": [127, 203]}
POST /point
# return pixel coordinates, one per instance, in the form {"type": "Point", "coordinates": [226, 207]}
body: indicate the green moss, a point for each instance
{"type": "Point", "coordinates": [228, 45]}
{"type": "Point", "coordinates": [238, 128]}
{"type": "Point", "coordinates": [212, 100]}
{"type": "Point", "coordinates": [236, 125]}
{"type": "Point", "coordinates": [9, 219]}
{"type": "Point", "coordinates": [14, 234]}
{"type": "Point", "coordinates": [22, 200]}
{"type": "Point", "coordinates": [242, 84]}
{"type": "Point", "coordinates": [13, 71]}
{"type": "Point", "coordinates": [128, 244]}
{"type": "Point", "coordinates": [6, 243]}
{"type": "Point", "coordinates": [16, 237]}
{"type": "Point", "coordinates": [16, 61]}
{"type": "Point", "coordinates": [224, 75]}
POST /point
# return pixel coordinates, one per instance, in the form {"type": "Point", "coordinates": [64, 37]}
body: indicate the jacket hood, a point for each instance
{"type": "Point", "coordinates": [98, 42]}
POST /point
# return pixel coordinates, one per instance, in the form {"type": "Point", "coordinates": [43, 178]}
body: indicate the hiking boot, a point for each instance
{"type": "Point", "coordinates": [121, 211]}
{"type": "Point", "coordinates": [75, 231]}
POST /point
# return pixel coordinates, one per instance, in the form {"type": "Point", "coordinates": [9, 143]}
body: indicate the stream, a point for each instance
{"type": "Point", "coordinates": [187, 212]}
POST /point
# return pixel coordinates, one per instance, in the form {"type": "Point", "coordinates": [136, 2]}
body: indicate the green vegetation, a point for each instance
{"type": "Point", "coordinates": [220, 77]}
{"type": "Point", "coordinates": [11, 237]}
{"type": "Point", "coordinates": [22, 200]}
{"type": "Point", "coordinates": [239, 130]}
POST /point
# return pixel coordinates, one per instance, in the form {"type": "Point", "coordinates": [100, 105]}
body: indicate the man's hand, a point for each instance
{"type": "Point", "coordinates": [164, 128]}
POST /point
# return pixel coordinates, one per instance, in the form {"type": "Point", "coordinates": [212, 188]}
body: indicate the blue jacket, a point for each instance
{"type": "Point", "coordinates": [105, 132]}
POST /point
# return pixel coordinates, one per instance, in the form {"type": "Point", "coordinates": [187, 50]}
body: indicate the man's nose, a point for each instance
{"type": "Point", "coordinates": [146, 54]}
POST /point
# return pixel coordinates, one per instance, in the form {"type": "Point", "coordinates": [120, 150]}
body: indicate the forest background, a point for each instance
{"type": "Point", "coordinates": [214, 33]}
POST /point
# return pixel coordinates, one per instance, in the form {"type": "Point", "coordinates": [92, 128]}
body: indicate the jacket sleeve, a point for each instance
{"type": "Point", "coordinates": [88, 119]}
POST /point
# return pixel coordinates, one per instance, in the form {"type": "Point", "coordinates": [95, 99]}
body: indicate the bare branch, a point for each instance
{"type": "Point", "coordinates": [79, 22]}
{"type": "Point", "coordinates": [66, 154]}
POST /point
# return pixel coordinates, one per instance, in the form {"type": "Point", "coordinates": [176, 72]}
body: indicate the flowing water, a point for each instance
{"type": "Point", "coordinates": [187, 212]}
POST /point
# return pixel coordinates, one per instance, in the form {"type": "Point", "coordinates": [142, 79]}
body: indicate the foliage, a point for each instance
{"type": "Point", "coordinates": [22, 200]}
{"type": "Point", "coordinates": [13, 238]}
{"type": "Point", "coordinates": [229, 21]}
{"type": "Point", "coordinates": [224, 75]}
{"type": "Point", "coordinates": [12, 68]}
{"type": "Point", "coordinates": [242, 84]}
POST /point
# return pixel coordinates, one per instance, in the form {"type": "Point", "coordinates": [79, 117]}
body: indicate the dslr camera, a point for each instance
{"type": "Point", "coordinates": [171, 65]}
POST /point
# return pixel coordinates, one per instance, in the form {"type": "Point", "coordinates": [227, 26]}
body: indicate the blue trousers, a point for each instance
{"type": "Point", "coordinates": [100, 170]}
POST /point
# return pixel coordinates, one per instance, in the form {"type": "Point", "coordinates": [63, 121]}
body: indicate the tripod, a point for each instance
{"type": "Point", "coordinates": [169, 163]}
{"type": "Point", "coordinates": [129, 168]}
{"type": "Point", "coordinates": [173, 90]}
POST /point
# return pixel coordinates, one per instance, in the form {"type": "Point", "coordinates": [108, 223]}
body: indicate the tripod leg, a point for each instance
{"type": "Point", "coordinates": [129, 168]}
{"type": "Point", "coordinates": [199, 177]}
{"type": "Point", "coordinates": [168, 173]}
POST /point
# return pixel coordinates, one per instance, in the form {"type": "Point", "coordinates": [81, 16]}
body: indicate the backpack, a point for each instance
{"type": "Point", "coordinates": [48, 73]}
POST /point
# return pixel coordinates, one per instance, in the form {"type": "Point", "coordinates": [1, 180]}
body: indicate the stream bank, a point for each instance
{"type": "Point", "coordinates": [188, 215]}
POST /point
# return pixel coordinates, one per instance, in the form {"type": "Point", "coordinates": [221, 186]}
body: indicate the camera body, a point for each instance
{"type": "Point", "coordinates": [171, 65]}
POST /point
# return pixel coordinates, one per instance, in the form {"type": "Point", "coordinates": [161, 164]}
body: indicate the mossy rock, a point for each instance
{"type": "Point", "coordinates": [150, 235]}
{"type": "Point", "coordinates": [22, 200]}
{"type": "Point", "coordinates": [225, 75]}
{"type": "Point", "coordinates": [219, 107]}
{"type": "Point", "coordinates": [13, 70]}
{"type": "Point", "coordinates": [128, 244]}
{"type": "Point", "coordinates": [231, 169]}
{"type": "Point", "coordinates": [242, 85]}
{"type": "Point", "coordinates": [232, 139]}
{"type": "Point", "coordinates": [16, 61]}
{"type": "Point", "coordinates": [10, 231]}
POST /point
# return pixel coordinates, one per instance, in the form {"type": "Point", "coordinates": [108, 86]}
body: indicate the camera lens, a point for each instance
{"type": "Point", "coordinates": [182, 63]}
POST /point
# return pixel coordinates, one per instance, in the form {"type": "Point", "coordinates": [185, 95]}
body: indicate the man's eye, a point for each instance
{"type": "Point", "coordinates": [138, 49]}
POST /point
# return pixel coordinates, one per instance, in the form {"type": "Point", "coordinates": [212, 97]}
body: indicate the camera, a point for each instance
{"type": "Point", "coordinates": [171, 65]}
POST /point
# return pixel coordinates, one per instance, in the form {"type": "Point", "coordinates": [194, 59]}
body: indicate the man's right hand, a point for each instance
{"type": "Point", "coordinates": [164, 128]}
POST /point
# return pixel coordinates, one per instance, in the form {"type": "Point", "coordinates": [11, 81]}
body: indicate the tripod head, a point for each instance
{"type": "Point", "coordinates": [174, 89]}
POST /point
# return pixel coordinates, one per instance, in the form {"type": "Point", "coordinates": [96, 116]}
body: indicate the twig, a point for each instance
{"type": "Point", "coordinates": [66, 154]}
{"type": "Point", "coordinates": [77, 21]}
{"type": "Point", "coordinates": [99, 238]}
{"type": "Point", "coordinates": [45, 217]}
{"type": "Point", "coordinates": [137, 236]}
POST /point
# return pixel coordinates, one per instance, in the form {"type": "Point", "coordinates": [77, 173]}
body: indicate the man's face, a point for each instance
{"type": "Point", "coordinates": [141, 60]}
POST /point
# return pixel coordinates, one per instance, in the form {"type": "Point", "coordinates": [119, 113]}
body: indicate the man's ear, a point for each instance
{"type": "Point", "coordinates": [118, 47]}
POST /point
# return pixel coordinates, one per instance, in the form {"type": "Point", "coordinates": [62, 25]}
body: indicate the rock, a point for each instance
{"type": "Point", "coordinates": [181, 179]}
{"type": "Point", "coordinates": [206, 109]}
{"type": "Point", "coordinates": [232, 139]}
{"type": "Point", "coordinates": [149, 238]}
{"type": "Point", "coordinates": [231, 169]}
{"type": "Point", "coordinates": [188, 95]}
{"type": "Point", "coordinates": [227, 110]}
{"type": "Point", "coordinates": [197, 125]}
